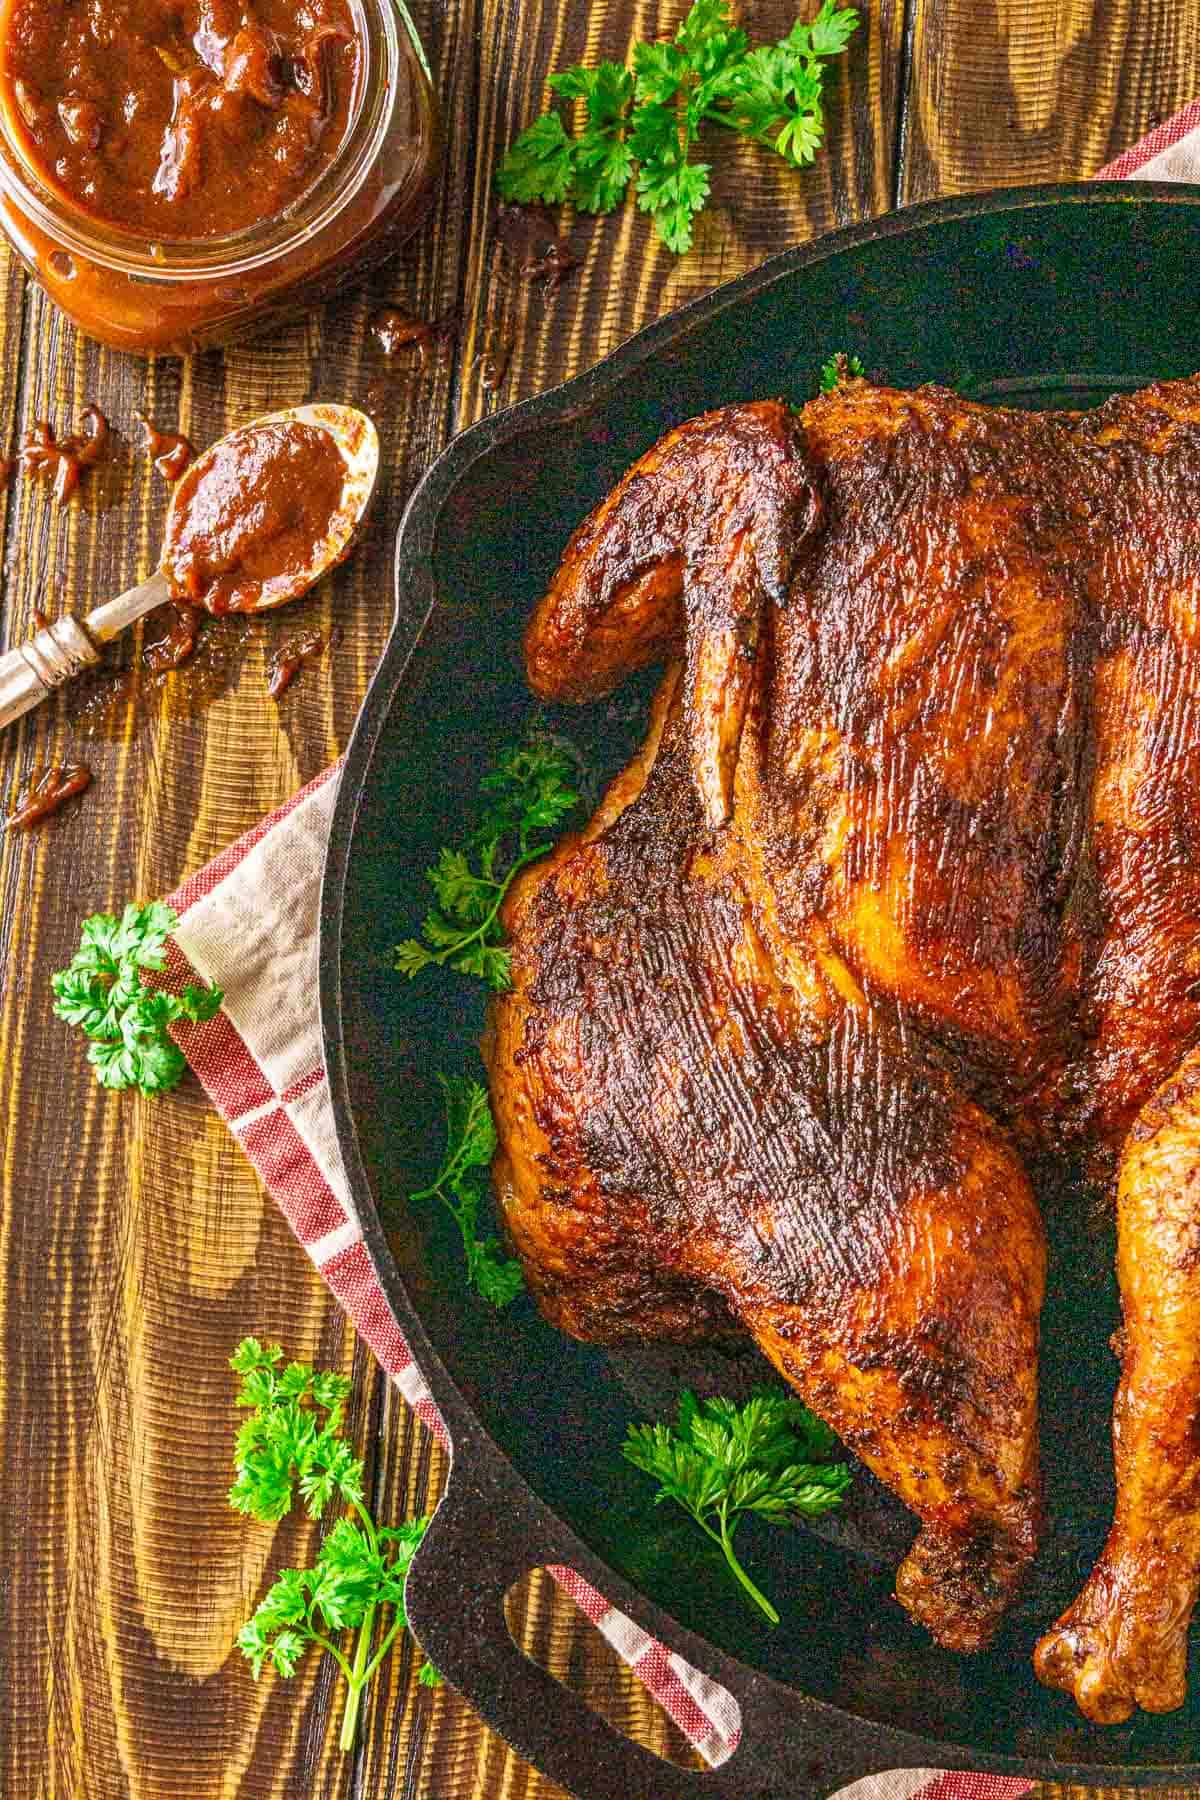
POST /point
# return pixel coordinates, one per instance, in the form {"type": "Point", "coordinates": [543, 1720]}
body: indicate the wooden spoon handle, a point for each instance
{"type": "Point", "coordinates": [32, 670]}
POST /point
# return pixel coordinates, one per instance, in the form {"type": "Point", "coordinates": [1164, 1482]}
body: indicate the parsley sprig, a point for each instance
{"type": "Point", "coordinates": [470, 1146]}
{"type": "Point", "coordinates": [647, 120]}
{"type": "Point", "coordinates": [838, 368]}
{"type": "Point", "coordinates": [287, 1445]}
{"type": "Point", "coordinates": [771, 1457]}
{"type": "Point", "coordinates": [102, 992]}
{"type": "Point", "coordinates": [526, 795]}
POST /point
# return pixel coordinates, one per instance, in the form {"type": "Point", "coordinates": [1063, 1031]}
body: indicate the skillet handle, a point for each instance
{"type": "Point", "coordinates": [472, 1553]}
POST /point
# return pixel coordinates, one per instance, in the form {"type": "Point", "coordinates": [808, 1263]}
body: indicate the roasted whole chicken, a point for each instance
{"type": "Point", "coordinates": [899, 900]}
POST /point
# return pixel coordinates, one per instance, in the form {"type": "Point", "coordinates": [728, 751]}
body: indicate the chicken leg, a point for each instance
{"type": "Point", "coordinates": [1123, 1643]}
{"type": "Point", "coordinates": [918, 1343]}
{"type": "Point", "coordinates": [700, 1124]}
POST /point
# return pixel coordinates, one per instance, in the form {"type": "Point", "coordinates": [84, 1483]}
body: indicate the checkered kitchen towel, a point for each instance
{"type": "Point", "coordinates": [249, 922]}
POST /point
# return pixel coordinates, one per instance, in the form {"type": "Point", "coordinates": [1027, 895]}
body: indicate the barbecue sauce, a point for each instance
{"type": "Point", "coordinates": [178, 642]}
{"type": "Point", "coordinates": [252, 515]}
{"type": "Point", "coordinates": [494, 357]}
{"type": "Point", "coordinates": [529, 238]}
{"type": "Point", "coordinates": [170, 451]}
{"type": "Point", "coordinates": [62, 460]}
{"type": "Point", "coordinates": [395, 331]}
{"type": "Point", "coordinates": [189, 121]}
{"type": "Point", "coordinates": [45, 791]}
{"type": "Point", "coordinates": [294, 655]}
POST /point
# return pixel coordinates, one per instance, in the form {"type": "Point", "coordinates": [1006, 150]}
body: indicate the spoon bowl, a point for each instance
{"type": "Point", "coordinates": [357, 443]}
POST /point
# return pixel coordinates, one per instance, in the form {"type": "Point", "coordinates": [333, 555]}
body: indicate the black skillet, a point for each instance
{"type": "Point", "coordinates": [1049, 297]}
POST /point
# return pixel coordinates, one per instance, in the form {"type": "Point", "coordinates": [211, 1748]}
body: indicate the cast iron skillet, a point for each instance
{"type": "Point", "coordinates": [1050, 296]}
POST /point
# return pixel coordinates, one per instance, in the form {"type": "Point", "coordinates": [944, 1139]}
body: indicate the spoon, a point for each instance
{"type": "Point", "coordinates": [34, 669]}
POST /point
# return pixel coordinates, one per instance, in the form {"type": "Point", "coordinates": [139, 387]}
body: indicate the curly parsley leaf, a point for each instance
{"type": "Point", "coordinates": [540, 165]}
{"type": "Point", "coordinates": [292, 1443]}
{"type": "Point", "coordinates": [460, 1184]}
{"type": "Point", "coordinates": [674, 192]}
{"type": "Point", "coordinates": [829, 33]}
{"type": "Point", "coordinates": [719, 1461]}
{"type": "Point", "coordinates": [102, 992]}
{"type": "Point", "coordinates": [643, 126]}
{"type": "Point", "coordinates": [776, 95]}
{"type": "Point", "coordinates": [603, 169]}
{"type": "Point", "coordinates": [838, 368]}
{"type": "Point", "coordinates": [525, 797]}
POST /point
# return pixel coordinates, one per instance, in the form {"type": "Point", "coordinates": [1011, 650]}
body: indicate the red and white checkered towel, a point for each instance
{"type": "Point", "coordinates": [249, 922]}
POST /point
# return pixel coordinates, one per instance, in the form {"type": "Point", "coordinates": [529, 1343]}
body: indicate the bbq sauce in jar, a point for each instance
{"type": "Point", "coordinates": [180, 122]}
{"type": "Point", "coordinates": [180, 175]}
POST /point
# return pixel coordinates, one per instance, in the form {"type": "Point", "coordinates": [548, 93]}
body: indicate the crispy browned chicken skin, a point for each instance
{"type": "Point", "coordinates": [902, 892]}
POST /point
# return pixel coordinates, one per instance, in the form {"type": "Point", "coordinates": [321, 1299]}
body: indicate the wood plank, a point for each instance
{"type": "Point", "coordinates": [1011, 91]}
{"type": "Point", "coordinates": [627, 278]}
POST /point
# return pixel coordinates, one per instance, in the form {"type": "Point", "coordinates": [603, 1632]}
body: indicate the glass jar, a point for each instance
{"type": "Point", "coordinates": [184, 295]}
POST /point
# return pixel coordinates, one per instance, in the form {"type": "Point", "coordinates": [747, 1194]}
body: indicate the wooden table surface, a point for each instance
{"type": "Point", "coordinates": [137, 1245]}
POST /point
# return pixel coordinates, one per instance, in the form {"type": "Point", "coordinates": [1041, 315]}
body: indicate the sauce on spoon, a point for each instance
{"type": "Point", "coordinates": [253, 514]}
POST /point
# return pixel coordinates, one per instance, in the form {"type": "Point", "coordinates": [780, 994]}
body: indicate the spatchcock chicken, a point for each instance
{"type": "Point", "coordinates": [900, 897]}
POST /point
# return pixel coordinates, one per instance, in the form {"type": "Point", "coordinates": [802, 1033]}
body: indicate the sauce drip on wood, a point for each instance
{"type": "Point", "coordinates": [395, 331]}
{"type": "Point", "coordinates": [494, 358]}
{"type": "Point", "coordinates": [177, 643]}
{"type": "Point", "coordinates": [62, 460]}
{"type": "Point", "coordinates": [553, 266]}
{"type": "Point", "coordinates": [255, 512]}
{"type": "Point", "coordinates": [170, 450]}
{"type": "Point", "coordinates": [45, 791]}
{"type": "Point", "coordinates": [529, 235]}
{"type": "Point", "coordinates": [294, 655]}
{"type": "Point", "coordinates": [111, 702]}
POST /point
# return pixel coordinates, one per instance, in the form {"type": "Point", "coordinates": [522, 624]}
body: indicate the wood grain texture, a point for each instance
{"type": "Point", "coordinates": [1011, 91]}
{"type": "Point", "coordinates": [136, 1244]}
{"type": "Point", "coordinates": [627, 278]}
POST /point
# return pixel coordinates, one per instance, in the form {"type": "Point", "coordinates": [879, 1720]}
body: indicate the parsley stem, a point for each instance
{"type": "Point", "coordinates": [323, 1643]}
{"type": "Point", "coordinates": [731, 124]}
{"type": "Point", "coordinates": [726, 1542]}
{"type": "Point", "coordinates": [368, 1522]}
{"type": "Point", "coordinates": [486, 924]}
{"type": "Point", "coordinates": [723, 1538]}
{"type": "Point", "coordinates": [445, 1176]}
{"type": "Point", "coordinates": [358, 1678]}
{"type": "Point", "coordinates": [382, 1651]}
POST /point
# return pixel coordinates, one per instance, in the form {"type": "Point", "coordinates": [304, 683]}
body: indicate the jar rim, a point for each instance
{"type": "Point", "coordinates": [236, 253]}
